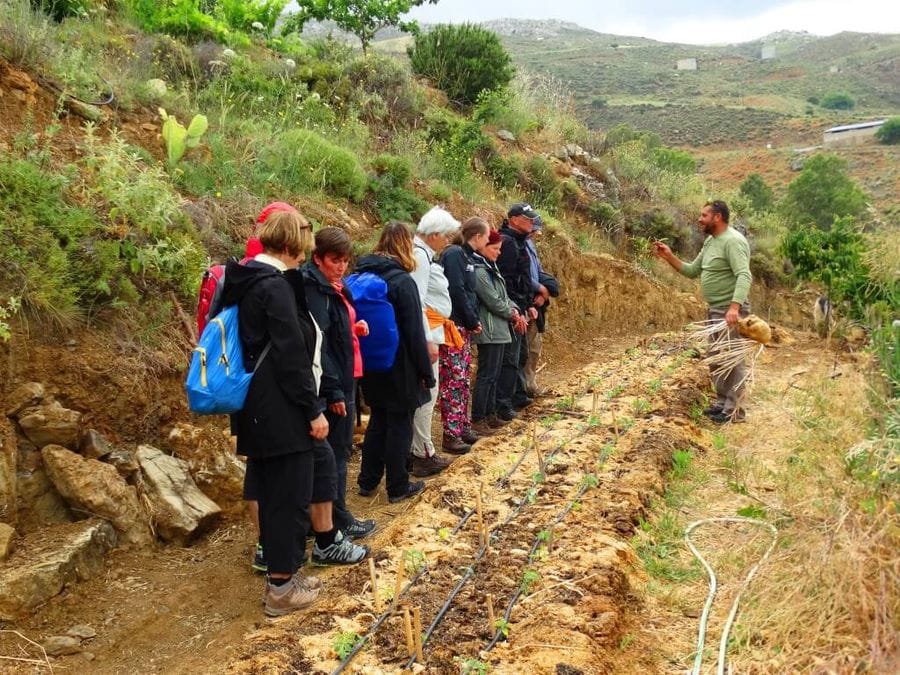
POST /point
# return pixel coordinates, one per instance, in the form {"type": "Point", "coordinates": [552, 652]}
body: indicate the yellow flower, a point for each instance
{"type": "Point", "coordinates": [218, 194]}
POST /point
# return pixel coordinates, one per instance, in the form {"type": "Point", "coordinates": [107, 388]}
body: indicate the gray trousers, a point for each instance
{"type": "Point", "coordinates": [535, 345]}
{"type": "Point", "coordinates": [422, 446]}
{"type": "Point", "coordinates": [729, 393]}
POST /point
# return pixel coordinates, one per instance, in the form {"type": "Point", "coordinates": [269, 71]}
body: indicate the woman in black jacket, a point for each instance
{"type": "Point", "coordinates": [456, 363]}
{"type": "Point", "coordinates": [331, 304]}
{"type": "Point", "coordinates": [394, 395]}
{"type": "Point", "coordinates": [281, 428]}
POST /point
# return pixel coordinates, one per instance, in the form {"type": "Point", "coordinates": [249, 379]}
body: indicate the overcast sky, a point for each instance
{"type": "Point", "coordinates": [690, 21]}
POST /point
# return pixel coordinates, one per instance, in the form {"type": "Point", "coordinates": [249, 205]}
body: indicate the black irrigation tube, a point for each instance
{"type": "Point", "coordinates": [470, 570]}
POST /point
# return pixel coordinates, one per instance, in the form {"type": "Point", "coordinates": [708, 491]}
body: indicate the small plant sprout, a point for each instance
{"type": "Point", "coordinates": [615, 392]}
{"type": "Point", "coordinates": [565, 403]}
{"type": "Point", "coordinates": [531, 495]}
{"type": "Point", "coordinates": [633, 352]}
{"type": "Point", "coordinates": [344, 643]}
{"type": "Point", "coordinates": [529, 578]}
{"type": "Point", "coordinates": [544, 535]}
{"type": "Point", "coordinates": [444, 534]}
{"type": "Point", "coordinates": [654, 386]}
{"type": "Point", "coordinates": [502, 625]}
{"type": "Point", "coordinates": [589, 480]}
{"type": "Point", "coordinates": [719, 441]}
{"type": "Point", "coordinates": [413, 561]}
{"type": "Point", "coordinates": [576, 505]}
{"type": "Point", "coordinates": [540, 555]}
{"type": "Point", "coordinates": [640, 406]}
{"type": "Point", "coordinates": [178, 138]}
{"type": "Point", "coordinates": [681, 464]}
{"type": "Point", "coordinates": [696, 412]}
{"type": "Point", "coordinates": [472, 667]}
{"type": "Point", "coordinates": [537, 477]}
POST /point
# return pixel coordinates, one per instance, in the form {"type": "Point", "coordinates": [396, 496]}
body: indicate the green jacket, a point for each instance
{"type": "Point", "coordinates": [494, 305]}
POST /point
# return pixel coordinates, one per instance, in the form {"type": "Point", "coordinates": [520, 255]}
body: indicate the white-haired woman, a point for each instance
{"type": "Point", "coordinates": [436, 228]}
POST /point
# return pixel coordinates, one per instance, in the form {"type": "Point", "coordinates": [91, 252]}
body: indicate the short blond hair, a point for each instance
{"type": "Point", "coordinates": [286, 231]}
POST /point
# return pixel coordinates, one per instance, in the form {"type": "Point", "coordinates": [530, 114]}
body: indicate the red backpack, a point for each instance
{"type": "Point", "coordinates": [210, 296]}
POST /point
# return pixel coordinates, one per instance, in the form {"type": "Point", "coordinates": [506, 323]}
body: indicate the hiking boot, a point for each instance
{"type": "Point", "coordinates": [259, 560]}
{"type": "Point", "coordinates": [342, 552]}
{"type": "Point", "coordinates": [714, 409]}
{"type": "Point", "coordinates": [494, 422]}
{"type": "Point", "coordinates": [470, 437]}
{"type": "Point", "coordinates": [524, 403]}
{"type": "Point", "coordinates": [482, 429]}
{"type": "Point", "coordinates": [734, 417]}
{"type": "Point", "coordinates": [296, 594]}
{"type": "Point", "coordinates": [366, 492]}
{"type": "Point", "coordinates": [537, 392]}
{"type": "Point", "coordinates": [412, 489]}
{"type": "Point", "coordinates": [359, 529]}
{"type": "Point", "coordinates": [506, 415]}
{"type": "Point", "coordinates": [455, 446]}
{"type": "Point", "coordinates": [428, 466]}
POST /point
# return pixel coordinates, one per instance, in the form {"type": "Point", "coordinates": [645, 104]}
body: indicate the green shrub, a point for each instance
{"type": "Point", "coordinates": [242, 14]}
{"type": "Point", "coordinates": [302, 160]}
{"type": "Point", "coordinates": [604, 215]}
{"type": "Point", "coordinates": [390, 190]}
{"type": "Point", "coordinates": [757, 192]}
{"type": "Point", "coordinates": [25, 34]}
{"type": "Point", "coordinates": [462, 60]}
{"type": "Point", "coordinates": [889, 132]}
{"type": "Point", "coordinates": [823, 192]}
{"type": "Point", "coordinates": [506, 109]}
{"type": "Point", "coordinates": [838, 101]}
{"type": "Point", "coordinates": [542, 185]}
{"type": "Point", "coordinates": [504, 172]}
{"type": "Point", "coordinates": [184, 18]}
{"type": "Point", "coordinates": [671, 159]}
{"type": "Point", "coordinates": [60, 9]}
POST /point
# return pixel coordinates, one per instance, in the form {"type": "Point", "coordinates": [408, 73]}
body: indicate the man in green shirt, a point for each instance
{"type": "Point", "coordinates": [723, 266]}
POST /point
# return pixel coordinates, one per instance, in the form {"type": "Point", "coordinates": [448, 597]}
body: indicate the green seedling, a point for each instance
{"type": "Point", "coordinates": [544, 535]}
{"type": "Point", "coordinates": [565, 403]}
{"type": "Point", "coordinates": [344, 643]}
{"type": "Point", "coordinates": [696, 413]}
{"type": "Point", "coordinates": [537, 477]}
{"type": "Point", "coordinates": [654, 386]}
{"type": "Point", "coordinates": [503, 626]}
{"type": "Point", "coordinates": [413, 561]}
{"type": "Point", "coordinates": [531, 495]}
{"type": "Point", "coordinates": [548, 420]}
{"type": "Point", "coordinates": [681, 464]}
{"type": "Point", "coordinates": [614, 392]}
{"type": "Point", "coordinates": [626, 641]}
{"type": "Point", "coordinates": [540, 555]}
{"type": "Point", "coordinates": [589, 480]}
{"type": "Point", "coordinates": [756, 512]}
{"type": "Point", "coordinates": [719, 441]}
{"type": "Point", "coordinates": [178, 138]}
{"type": "Point", "coordinates": [529, 578]}
{"type": "Point", "coordinates": [472, 667]}
{"type": "Point", "coordinates": [640, 406]}
{"type": "Point", "coordinates": [576, 505]}
{"type": "Point", "coordinates": [444, 534]}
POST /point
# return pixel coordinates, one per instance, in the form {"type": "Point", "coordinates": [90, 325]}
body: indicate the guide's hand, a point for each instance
{"type": "Point", "coordinates": [732, 315]}
{"type": "Point", "coordinates": [338, 408]}
{"type": "Point", "coordinates": [318, 428]}
{"type": "Point", "coordinates": [661, 249]}
{"type": "Point", "coordinates": [433, 352]}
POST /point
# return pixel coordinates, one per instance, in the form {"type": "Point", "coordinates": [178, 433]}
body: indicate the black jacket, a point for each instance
{"type": "Point", "coordinates": [514, 264]}
{"type": "Point", "coordinates": [460, 272]}
{"type": "Point", "coordinates": [551, 283]}
{"type": "Point", "coordinates": [282, 399]}
{"type": "Point", "coordinates": [330, 313]}
{"type": "Point", "coordinates": [407, 384]}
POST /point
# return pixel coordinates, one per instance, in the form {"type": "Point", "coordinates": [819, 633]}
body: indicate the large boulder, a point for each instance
{"type": "Point", "coordinates": [8, 483]}
{"type": "Point", "coordinates": [39, 502]}
{"type": "Point", "coordinates": [211, 459]}
{"type": "Point", "coordinates": [49, 559]}
{"type": "Point", "coordinates": [51, 424]}
{"type": "Point", "coordinates": [93, 445]}
{"type": "Point", "coordinates": [24, 396]}
{"type": "Point", "coordinates": [97, 488]}
{"type": "Point", "coordinates": [179, 509]}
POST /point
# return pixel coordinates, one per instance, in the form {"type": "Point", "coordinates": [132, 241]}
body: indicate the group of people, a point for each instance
{"type": "Point", "coordinates": [450, 285]}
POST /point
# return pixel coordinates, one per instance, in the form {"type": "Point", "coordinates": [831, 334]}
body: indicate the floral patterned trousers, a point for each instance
{"type": "Point", "coordinates": [454, 386]}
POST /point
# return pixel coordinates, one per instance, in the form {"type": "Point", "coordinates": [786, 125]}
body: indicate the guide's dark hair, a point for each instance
{"type": "Point", "coordinates": [720, 207]}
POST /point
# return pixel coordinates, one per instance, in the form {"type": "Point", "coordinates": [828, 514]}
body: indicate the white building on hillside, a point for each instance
{"type": "Point", "coordinates": [851, 134]}
{"type": "Point", "coordinates": [686, 64]}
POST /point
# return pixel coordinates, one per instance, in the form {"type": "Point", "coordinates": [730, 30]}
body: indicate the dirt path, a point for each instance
{"type": "Point", "coordinates": [559, 530]}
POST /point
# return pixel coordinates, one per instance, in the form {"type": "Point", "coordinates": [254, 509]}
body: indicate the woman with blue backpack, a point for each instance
{"type": "Point", "coordinates": [281, 428]}
{"type": "Point", "coordinates": [398, 377]}
{"type": "Point", "coordinates": [331, 304]}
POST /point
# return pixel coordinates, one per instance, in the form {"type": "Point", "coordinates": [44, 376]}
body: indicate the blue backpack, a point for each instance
{"type": "Point", "coordinates": [216, 382]}
{"type": "Point", "coordinates": [379, 347]}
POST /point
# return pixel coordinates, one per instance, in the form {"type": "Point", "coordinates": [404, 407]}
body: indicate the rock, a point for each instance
{"type": "Point", "coordinates": [180, 509]}
{"type": "Point", "coordinates": [82, 632]}
{"type": "Point", "coordinates": [561, 154]}
{"type": "Point", "coordinates": [39, 502]}
{"type": "Point", "coordinates": [156, 87]}
{"type": "Point", "coordinates": [211, 459]}
{"type": "Point", "coordinates": [84, 110]}
{"type": "Point", "coordinates": [24, 396]}
{"type": "Point", "coordinates": [8, 482]}
{"type": "Point", "coordinates": [124, 462]}
{"type": "Point", "coordinates": [797, 163]}
{"type": "Point", "coordinates": [97, 488]}
{"type": "Point", "coordinates": [506, 135]}
{"type": "Point", "coordinates": [19, 80]}
{"type": "Point", "coordinates": [57, 555]}
{"type": "Point", "coordinates": [7, 541]}
{"type": "Point", "coordinates": [93, 445]}
{"type": "Point", "coordinates": [61, 645]}
{"type": "Point", "coordinates": [51, 424]}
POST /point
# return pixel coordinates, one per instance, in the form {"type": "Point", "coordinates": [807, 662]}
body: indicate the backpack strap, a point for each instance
{"type": "Point", "coordinates": [262, 356]}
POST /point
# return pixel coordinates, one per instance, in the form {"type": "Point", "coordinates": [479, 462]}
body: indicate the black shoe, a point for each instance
{"type": "Point", "coordinates": [506, 415]}
{"type": "Point", "coordinates": [521, 405]}
{"type": "Point", "coordinates": [359, 529]}
{"type": "Point", "coordinates": [259, 560]}
{"type": "Point", "coordinates": [712, 410]}
{"type": "Point", "coordinates": [470, 437]}
{"type": "Point", "coordinates": [363, 492]}
{"type": "Point", "coordinates": [734, 417]}
{"type": "Point", "coordinates": [412, 490]}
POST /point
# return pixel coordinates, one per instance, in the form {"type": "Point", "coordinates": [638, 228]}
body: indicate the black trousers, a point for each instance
{"type": "Point", "coordinates": [385, 450]}
{"type": "Point", "coordinates": [484, 398]}
{"type": "Point", "coordinates": [509, 373]}
{"type": "Point", "coordinates": [340, 430]}
{"type": "Point", "coordinates": [285, 486]}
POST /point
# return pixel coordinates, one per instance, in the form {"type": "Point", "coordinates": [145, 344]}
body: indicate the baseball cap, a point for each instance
{"type": "Point", "coordinates": [522, 209]}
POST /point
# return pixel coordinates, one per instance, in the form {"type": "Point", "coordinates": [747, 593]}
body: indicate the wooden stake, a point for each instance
{"type": "Point", "coordinates": [407, 626]}
{"type": "Point", "coordinates": [398, 584]}
{"type": "Point", "coordinates": [594, 402]}
{"type": "Point", "coordinates": [375, 596]}
{"type": "Point", "coordinates": [616, 426]}
{"type": "Point", "coordinates": [486, 538]}
{"type": "Point", "coordinates": [550, 541]}
{"type": "Point", "coordinates": [492, 619]}
{"type": "Point", "coordinates": [417, 625]}
{"type": "Point", "coordinates": [478, 511]}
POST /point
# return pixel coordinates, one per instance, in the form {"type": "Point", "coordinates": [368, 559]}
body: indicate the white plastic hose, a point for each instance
{"type": "Point", "coordinates": [704, 617]}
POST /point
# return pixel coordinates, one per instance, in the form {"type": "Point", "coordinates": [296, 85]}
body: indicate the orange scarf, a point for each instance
{"type": "Point", "coordinates": [452, 336]}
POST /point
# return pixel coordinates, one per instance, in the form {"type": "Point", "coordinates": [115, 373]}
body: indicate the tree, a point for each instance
{"type": "Point", "coordinates": [822, 192]}
{"type": "Point", "coordinates": [363, 18]}
{"type": "Point", "coordinates": [462, 60]}
{"type": "Point", "coordinates": [759, 194]}
{"type": "Point", "coordinates": [889, 132]}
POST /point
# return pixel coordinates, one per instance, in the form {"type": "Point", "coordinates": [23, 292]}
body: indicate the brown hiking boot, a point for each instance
{"type": "Point", "coordinates": [455, 446]}
{"type": "Point", "coordinates": [428, 466]}
{"type": "Point", "coordinates": [296, 594]}
{"type": "Point", "coordinates": [470, 437]}
{"type": "Point", "coordinates": [482, 429]}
